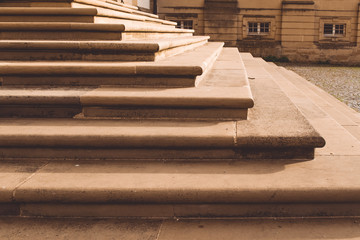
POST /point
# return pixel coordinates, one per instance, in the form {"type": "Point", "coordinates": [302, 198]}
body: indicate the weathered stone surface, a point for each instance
{"type": "Point", "coordinates": [223, 94]}
{"type": "Point", "coordinates": [188, 65]}
{"type": "Point", "coordinates": [145, 50]}
{"type": "Point", "coordinates": [13, 174]}
{"type": "Point", "coordinates": [20, 228]}
{"type": "Point", "coordinates": [296, 28]}
{"type": "Point", "coordinates": [269, 132]}
{"type": "Point", "coordinates": [173, 168]}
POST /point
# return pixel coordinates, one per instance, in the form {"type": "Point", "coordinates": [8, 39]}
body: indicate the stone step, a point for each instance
{"type": "Point", "coordinates": [325, 103]}
{"type": "Point", "coordinates": [106, 4]}
{"type": "Point", "coordinates": [78, 13]}
{"type": "Point", "coordinates": [274, 129]}
{"type": "Point", "coordinates": [328, 186]}
{"type": "Point", "coordinates": [222, 103]}
{"type": "Point", "coordinates": [223, 95]}
{"type": "Point", "coordinates": [48, 103]}
{"type": "Point", "coordinates": [56, 139]}
{"type": "Point", "coordinates": [57, 3]}
{"type": "Point", "coordinates": [144, 189]}
{"type": "Point", "coordinates": [183, 70]}
{"type": "Point", "coordinates": [18, 14]}
{"type": "Point", "coordinates": [341, 140]}
{"type": "Point", "coordinates": [111, 8]}
{"type": "Point", "coordinates": [176, 229]}
{"type": "Point", "coordinates": [145, 50]}
{"type": "Point", "coordinates": [338, 111]}
{"type": "Point", "coordinates": [109, 4]}
{"type": "Point", "coordinates": [190, 103]}
{"type": "Point", "coordinates": [329, 102]}
{"type": "Point", "coordinates": [86, 31]}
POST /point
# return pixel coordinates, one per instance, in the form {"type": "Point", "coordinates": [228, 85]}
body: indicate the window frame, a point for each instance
{"type": "Point", "coordinates": [337, 30]}
{"type": "Point", "coordinates": [182, 24]}
{"type": "Point", "coordinates": [336, 35]}
{"type": "Point", "coordinates": [258, 35]}
{"type": "Point", "coordinates": [259, 26]}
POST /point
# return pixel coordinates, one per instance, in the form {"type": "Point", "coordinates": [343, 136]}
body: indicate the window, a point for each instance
{"type": "Point", "coordinates": [258, 28]}
{"type": "Point", "coordinates": [334, 30]}
{"type": "Point", "coordinates": [184, 24]}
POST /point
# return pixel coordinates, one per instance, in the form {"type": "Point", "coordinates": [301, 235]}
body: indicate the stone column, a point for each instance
{"type": "Point", "coordinates": [220, 20]}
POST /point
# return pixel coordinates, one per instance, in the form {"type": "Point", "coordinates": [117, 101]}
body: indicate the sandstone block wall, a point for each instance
{"type": "Point", "coordinates": [296, 28]}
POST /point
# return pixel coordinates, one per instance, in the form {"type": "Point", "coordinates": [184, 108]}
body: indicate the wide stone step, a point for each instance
{"type": "Point", "coordinates": [115, 10]}
{"type": "Point", "coordinates": [320, 101]}
{"type": "Point", "coordinates": [175, 229]}
{"type": "Point", "coordinates": [78, 13]}
{"type": "Point", "coordinates": [223, 94]}
{"type": "Point", "coordinates": [185, 103]}
{"type": "Point", "coordinates": [54, 139]}
{"type": "Point", "coordinates": [194, 103]}
{"type": "Point", "coordinates": [50, 3]}
{"type": "Point", "coordinates": [320, 188]}
{"type": "Point", "coordinates": [107, 4]}
{"type": "Point", "coordinates": [274, 129]}
{"type": "Point", "coordinates": [48, 103]}
{"type": "Point", "coordinates": [338, 110]}
{"type": "Point", "coordinates": [183, 70]}
{"type": "Point", "coordinates": [17, 14]}
{"type": "Point", "coordinates": [145, 50]}
{"type": "Point", "coordinates": [85, 31]}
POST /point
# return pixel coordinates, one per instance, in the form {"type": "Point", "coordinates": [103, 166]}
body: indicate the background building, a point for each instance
{"type": "Point", "coordinates": [315, 31]}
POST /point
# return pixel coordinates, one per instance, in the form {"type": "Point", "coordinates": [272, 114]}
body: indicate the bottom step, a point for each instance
{"type": "Point", "coordinates": [179, 229]}
{"type": "Point", "coordinates": [327, 186]}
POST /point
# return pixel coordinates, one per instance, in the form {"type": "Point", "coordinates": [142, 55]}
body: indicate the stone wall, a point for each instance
{"type": "Point", "coordinates": [295, 29]}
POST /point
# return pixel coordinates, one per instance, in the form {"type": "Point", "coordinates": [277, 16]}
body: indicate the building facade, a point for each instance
{"type": "Point", "coordinates": [303, 31]}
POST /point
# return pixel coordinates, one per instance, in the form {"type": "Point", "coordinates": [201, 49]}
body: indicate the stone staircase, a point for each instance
{"type": "Point", "coordinates": [110, 112]}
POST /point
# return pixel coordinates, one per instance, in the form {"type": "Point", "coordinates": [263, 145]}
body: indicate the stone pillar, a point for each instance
{"type": "Point", "coordinates": [221, 20]}
{"type": "Point", "coordinates": [298, 29]}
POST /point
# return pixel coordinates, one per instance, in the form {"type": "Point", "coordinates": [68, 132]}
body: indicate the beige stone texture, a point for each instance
{"type": "Point", "coordinates": [192, 97]}
{"type": "Point", "coordinates": [13, 174]}
{"type": "Point", "coordinates": [188, 65]}
{"type": "Point", "coordinates": [325, 185]}
{"type": "Point", "coordinates": [89, 182]}
{"type": "Point", "coordinates": [164, 113]}
{"type": "Point", "coordinates": [59, 176]}
{"type": "Point", "coordinates": [179, 229]}
{"type": "Point", "coordinates": [297, 27]}
{"type": "Point", "coordinates": [261, 229]}
{"type": "Point", "coordinates": [91, 81]}
{"type": "Point", "coordinates": [237, 140]}
{"type": "Point", "coordinates": [220, 95]}
{"type": "Point", "coordinates": [83, 133]}
{"type": "Point", "coordinates": [141, 50]}
{"type": "Point", "coordinates": [81, 229]}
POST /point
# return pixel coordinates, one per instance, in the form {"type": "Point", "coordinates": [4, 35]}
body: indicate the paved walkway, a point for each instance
{"type": "Point", "coordinates": [340, 81]}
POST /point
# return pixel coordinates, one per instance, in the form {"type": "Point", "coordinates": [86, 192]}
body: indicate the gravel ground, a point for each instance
{"type": "Point", "coordinates": [341, 82]}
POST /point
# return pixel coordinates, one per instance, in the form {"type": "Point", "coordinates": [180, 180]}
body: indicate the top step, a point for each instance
{"type": "Point", "coordinates": [99, 4]}
{"type": "Point", "coordinates": [54, 3]}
